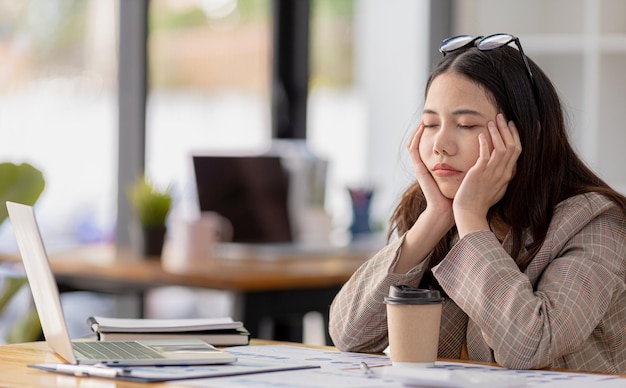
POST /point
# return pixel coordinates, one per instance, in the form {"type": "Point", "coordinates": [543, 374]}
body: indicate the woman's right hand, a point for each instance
{"type": "Point", "coordinates": [435, 201]}
{"type": "Point", "coordinates": [433, 223]}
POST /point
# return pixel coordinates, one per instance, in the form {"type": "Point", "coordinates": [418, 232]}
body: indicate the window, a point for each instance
{"type": "Point", "coordinates": [58, 111]}
{"type": "Point", "coordinates": [209, 90]}
{"type": "Point", "coordinates": [209, 85]}
{"type": "Point", "coordinates": [335, 110]}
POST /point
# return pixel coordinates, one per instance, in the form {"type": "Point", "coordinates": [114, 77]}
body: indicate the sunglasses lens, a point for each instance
{"type": "Point", "coordinates": [487, 43]}
{"type": "Point", "coordinates": [495, 41]}
{"type": "Point", "coordinates": [456, 43]}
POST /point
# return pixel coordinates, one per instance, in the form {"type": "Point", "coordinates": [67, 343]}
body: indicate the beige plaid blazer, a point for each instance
{"type": "Point", "coordinates": [567, 310]}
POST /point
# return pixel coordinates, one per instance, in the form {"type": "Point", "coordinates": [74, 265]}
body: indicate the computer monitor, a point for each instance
{"type": "Point", "coordinates": [250, 191]}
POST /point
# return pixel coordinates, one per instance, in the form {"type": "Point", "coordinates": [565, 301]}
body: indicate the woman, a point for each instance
{"type": "Point", "coordinates": [527, 244]}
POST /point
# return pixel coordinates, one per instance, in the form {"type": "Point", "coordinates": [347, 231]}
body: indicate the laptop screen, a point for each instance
{"type": "Point", "coordinates": [41, 280]}
{"type": "Point", "coordinates": [250, 191]}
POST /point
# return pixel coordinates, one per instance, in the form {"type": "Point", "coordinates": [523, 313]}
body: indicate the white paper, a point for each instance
{"type": "Point", "coordinates": [341, 369]}
{"type": "Point", "coordinates": [307, 378]}
{"type": "Point", "coordinates": [327, 359]}
{"type": "Point", "coordinates": [545, 378]}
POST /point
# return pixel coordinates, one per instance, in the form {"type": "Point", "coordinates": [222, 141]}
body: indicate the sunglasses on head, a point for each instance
{"type": "Point", "coordinates": [486, 43]}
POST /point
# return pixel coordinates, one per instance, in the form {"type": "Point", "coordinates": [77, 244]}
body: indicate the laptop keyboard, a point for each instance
{"type": "Point", "coordinates": [116, 350]}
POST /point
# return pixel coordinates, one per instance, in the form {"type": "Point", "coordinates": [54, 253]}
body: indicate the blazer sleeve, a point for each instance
{"type": "Point", "coordinates": [529, 325]}
{"type": "Point", "coordinates": [358, 316]}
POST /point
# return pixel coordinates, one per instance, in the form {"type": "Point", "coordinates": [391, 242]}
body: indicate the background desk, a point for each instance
{"type": "Point", "coordinates": [279, 289]}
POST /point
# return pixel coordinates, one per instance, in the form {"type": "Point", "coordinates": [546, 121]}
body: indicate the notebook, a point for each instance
{"type": "Point", "coordinates": [48, 303]}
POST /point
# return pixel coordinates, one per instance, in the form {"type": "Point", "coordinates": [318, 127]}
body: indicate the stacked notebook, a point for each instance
{"type": "Point", "coordinates": [215, 331]}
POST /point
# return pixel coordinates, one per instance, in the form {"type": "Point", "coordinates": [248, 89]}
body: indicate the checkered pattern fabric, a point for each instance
{"type": "Point", "coordinates": [567, 310]}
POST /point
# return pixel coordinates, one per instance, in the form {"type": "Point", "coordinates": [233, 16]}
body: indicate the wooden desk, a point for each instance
{"type": "Point", "coordinates": [278, 290]}
{"type": "Point", "coordinates": [15, 373]}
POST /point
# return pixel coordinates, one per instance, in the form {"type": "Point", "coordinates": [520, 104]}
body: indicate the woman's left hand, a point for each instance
{"type": "Point", "coordinates": [486, 182]}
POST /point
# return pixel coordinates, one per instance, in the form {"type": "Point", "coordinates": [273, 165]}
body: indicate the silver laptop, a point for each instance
{"type": "Point", "coordinates": [48, 303]}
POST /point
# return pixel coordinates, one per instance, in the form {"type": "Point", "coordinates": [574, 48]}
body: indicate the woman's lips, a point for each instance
{"type": "Point", "coordinates": [444, 170]}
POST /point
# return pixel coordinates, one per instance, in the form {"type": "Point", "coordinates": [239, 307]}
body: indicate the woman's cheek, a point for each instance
{"type": "Point", "coordinates": [424, 148]}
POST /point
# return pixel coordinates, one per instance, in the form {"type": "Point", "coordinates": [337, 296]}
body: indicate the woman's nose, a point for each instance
{"type": "Point", "coordinates": [444, 141]}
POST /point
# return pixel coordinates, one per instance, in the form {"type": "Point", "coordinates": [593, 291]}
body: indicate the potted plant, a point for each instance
{"type": "Point", "coordinates": [151, 206]}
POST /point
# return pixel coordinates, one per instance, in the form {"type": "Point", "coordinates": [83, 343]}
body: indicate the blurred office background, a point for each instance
{"type": "Point", "coordinates": [210, 89]}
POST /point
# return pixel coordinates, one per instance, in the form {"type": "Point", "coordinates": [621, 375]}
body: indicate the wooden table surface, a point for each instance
{"type": "Point", "coordinates": [244, 271]}
{"type": "Point", "coordinates": [14, 371]}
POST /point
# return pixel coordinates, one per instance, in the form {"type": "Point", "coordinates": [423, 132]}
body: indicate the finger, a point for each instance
{"type": "Point", "coordinates": [414, 144]}
{"type": "Point", "coordinates": [485, 156]}
{"type": "Point", "coordinates": [510, 139]}
{"type": "Point", "coordinates": [423, 175]}
{"type": "Point", "coordinates": [516, 139]}
{"type": "Point", "coordinates": [497, 143]}
{"type": "Point", "coordinates": [411, 141]}
{"type": "Point", "coordinates": [505, 131]}
{"type": "Point", "coordinates": [517, 148]}
{"type": "Point", "coordinates": [505, 145]}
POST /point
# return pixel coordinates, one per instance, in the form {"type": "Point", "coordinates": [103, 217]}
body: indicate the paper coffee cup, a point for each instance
{"type": "Point", "coordinates": [413, 320]}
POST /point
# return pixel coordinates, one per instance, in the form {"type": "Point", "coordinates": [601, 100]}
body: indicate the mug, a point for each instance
{"type": "Point", "coordinates": [195, 241]}
{"type": "Point", "coordinates": [199, 237]}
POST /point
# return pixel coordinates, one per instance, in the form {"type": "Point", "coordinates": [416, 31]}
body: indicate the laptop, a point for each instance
{"type": "Point", "coordinates": [250, 191]}
{"type": "Point", "coordinates": [48, 304]}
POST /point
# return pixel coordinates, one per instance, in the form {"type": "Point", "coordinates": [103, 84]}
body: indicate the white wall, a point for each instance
{"type": "Point", "coordinates": [391, 59]}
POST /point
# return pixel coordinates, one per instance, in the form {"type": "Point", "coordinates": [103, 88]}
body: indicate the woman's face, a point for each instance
{"type": "Point", "coordinates": [456, 111]}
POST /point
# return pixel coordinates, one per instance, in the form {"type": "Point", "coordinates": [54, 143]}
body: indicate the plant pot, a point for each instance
{"type": "Point", "coordinates": [153, 239]}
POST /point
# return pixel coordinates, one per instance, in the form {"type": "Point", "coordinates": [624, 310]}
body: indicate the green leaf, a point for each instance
{"type": "Point", "coordinates": [11, 286]}
{"type": "Point", "coordinates": [21, 183]}
{"type": "Point", "coordinates": [151, 205]}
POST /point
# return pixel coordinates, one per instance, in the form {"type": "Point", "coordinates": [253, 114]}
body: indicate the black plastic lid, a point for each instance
{"type": "Point", "coordinates": [403, 294]}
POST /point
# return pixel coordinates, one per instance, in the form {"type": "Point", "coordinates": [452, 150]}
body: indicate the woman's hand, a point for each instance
{"type": "Point", "coordinates": [433, 223]}
{"type": "Point", "coordinates": [435, 201]}
{"type": "Point", "coordinates": [486, 182]}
